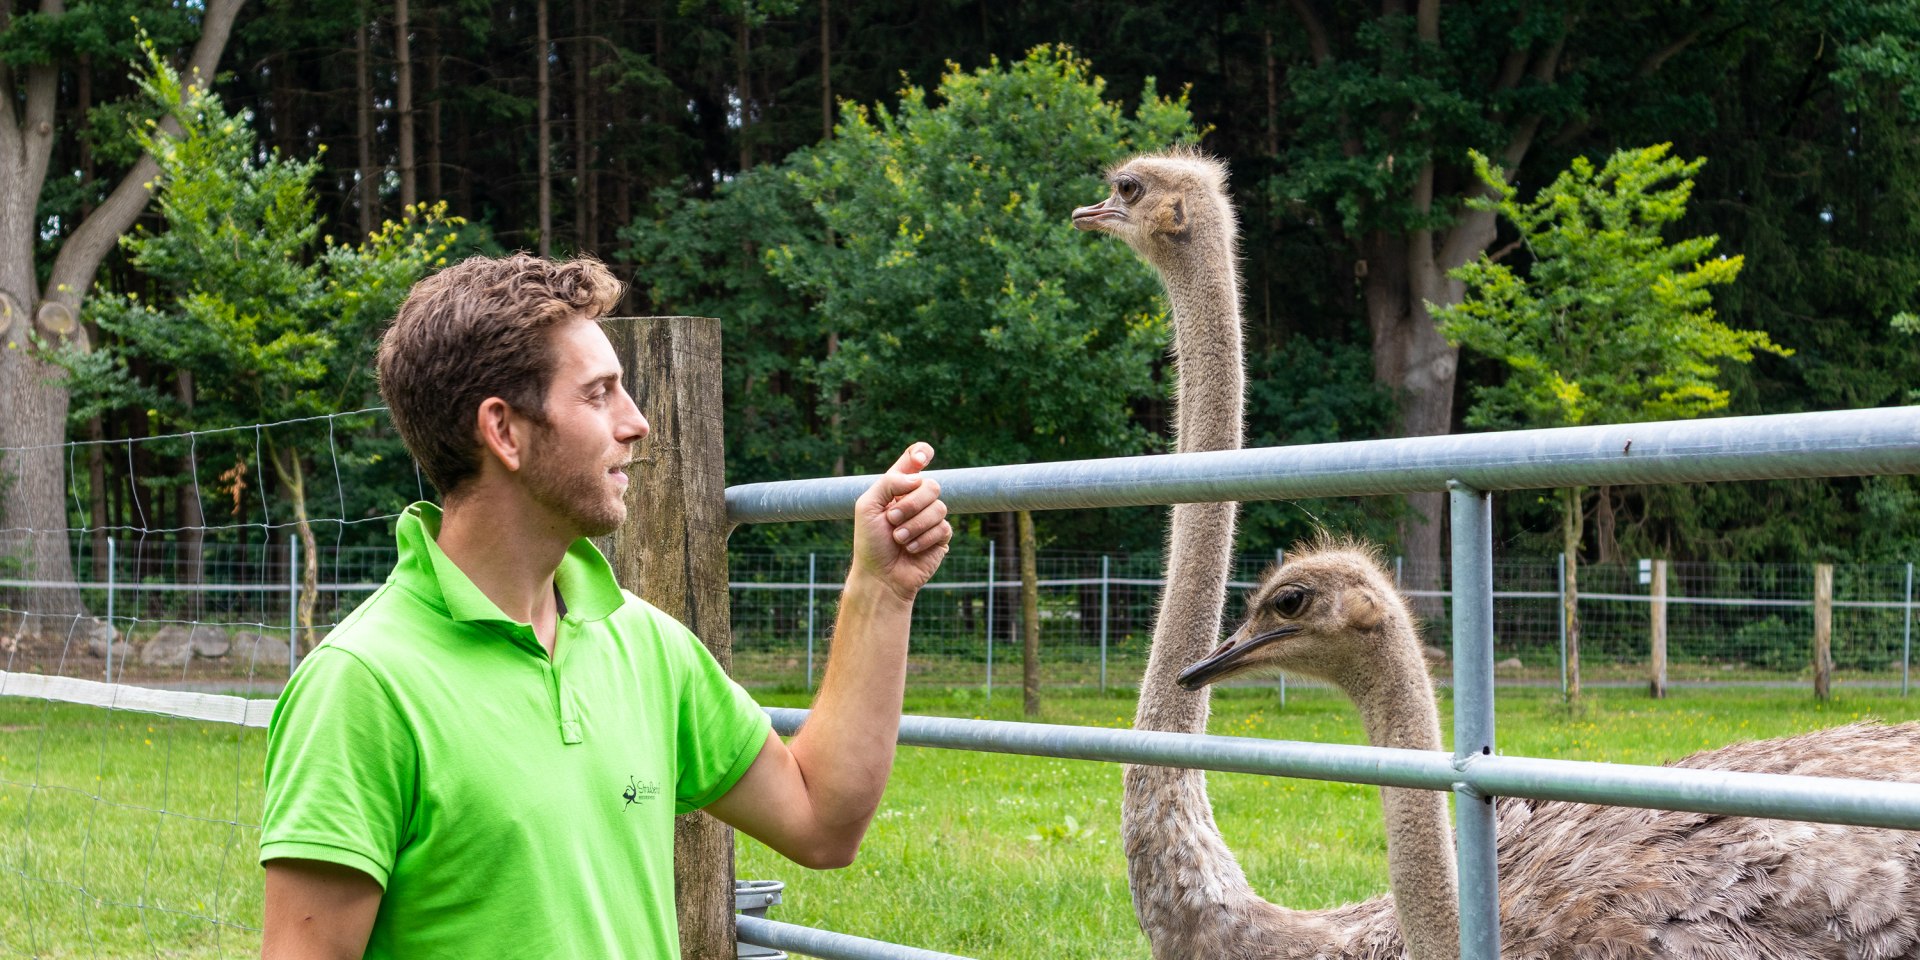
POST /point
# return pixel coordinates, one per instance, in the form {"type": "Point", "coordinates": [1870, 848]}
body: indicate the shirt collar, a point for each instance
{"type": "Point", "coordinates": [584, 577]}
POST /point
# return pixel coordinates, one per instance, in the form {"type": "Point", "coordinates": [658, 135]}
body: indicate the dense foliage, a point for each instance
{"type": "Point", "coordinates": [1348, 130]}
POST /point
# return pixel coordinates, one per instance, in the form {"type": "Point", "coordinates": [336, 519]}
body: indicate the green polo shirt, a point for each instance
{"type": "Point", "coordinates": [508, 802]}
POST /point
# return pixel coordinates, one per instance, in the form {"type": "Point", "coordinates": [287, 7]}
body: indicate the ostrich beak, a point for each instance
{"type": "Point", "coordinates": [1224, 657]}
{"type": "Point", "coordinates": [1097, 216]}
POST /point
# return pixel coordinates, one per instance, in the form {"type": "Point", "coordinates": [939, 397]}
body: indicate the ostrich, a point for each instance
{"type": "Point", "coordinates": [1588, 881]}
{"type": "Point", "coordinates": [1190, 895]}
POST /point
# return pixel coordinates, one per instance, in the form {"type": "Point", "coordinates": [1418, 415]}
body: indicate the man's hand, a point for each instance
{"type": "Point", "coordinates": [900, 529]}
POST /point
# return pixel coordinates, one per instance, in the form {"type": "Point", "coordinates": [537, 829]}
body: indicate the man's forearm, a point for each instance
{"type": "Point", "coordinates": [846, 749]}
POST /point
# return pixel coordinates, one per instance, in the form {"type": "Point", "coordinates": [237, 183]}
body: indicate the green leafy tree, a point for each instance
{"type": "Point", "coordinates": [60, 218]}
{"type": "Point", "coordinates": [967, 308]}
{"type": "Point", "coordinates": [264, 319]}
{"type": "Point", "coordinates": [941, 291]}
{"type": "Point", "coordinates": [1611, 322]}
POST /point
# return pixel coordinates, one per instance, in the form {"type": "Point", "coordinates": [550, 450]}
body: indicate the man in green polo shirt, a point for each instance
{"type": "Point", "coordinates": [486, 758]}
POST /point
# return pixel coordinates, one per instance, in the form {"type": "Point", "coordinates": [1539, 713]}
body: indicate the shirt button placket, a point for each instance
{"type": "Point", "coordinates": [569, 719]}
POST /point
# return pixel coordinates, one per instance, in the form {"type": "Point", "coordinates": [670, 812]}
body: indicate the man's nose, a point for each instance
{"type": "Point", "coordinates": [633, 424]}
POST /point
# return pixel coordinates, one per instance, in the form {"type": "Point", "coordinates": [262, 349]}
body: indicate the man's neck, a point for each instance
{"type": "Point", "coordinates": [510, 555]}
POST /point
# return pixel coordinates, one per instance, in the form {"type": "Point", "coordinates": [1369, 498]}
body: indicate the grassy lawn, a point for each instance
{"type": "Point", "coordinates": [972, 853]}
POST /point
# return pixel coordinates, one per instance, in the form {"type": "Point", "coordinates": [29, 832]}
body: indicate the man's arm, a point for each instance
{"type": "Point", "coordinates": [812, 799]}
{"type": "Point", "coordinates": [317, 911]}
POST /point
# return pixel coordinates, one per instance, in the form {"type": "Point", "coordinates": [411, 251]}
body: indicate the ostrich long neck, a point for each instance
{"type": "Point", "coordinates": [1190, 894]}
{"type": "Point", "coordinates": [1395, 698]}
{"type": "Point", "coordinates": [1208, 404]}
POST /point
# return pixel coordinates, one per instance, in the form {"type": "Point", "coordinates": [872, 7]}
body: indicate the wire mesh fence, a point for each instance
{"type": "Point", "coordinates": [224, 612]}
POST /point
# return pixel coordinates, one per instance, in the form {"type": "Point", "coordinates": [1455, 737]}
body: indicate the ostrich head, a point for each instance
{"type": "Point", "coordinates": [1329, 612]}
{"type": "Point", "coordinates": [1162, 203]}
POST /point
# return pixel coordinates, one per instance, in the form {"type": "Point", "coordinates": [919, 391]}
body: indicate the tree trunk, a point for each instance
{"type": "Point", "coordinates": [189, 565]}
{"type": "Point", "coordinates": [543, 109]}
{"type": "Point", "coordinates": [674, 550]}
{"type": "Point", "coordinates": [367, 190]}
{"type": "Point", "coordinates": [97, 495]}
{"type": "Point", "coordinates": [403, 102]}
{"type": "Point", "coordinates": [85, 97]}
{"type": "Point", "coordinates": [1029, 614]}
{"type": "Point", "coordinates": [33, 409]}
{"type": "Point", "coordinates": [583, 232]}
{"type": "Point", "coordinates": [434, 56]}
{"type": "Point", "coordinates": [1273, 97]}
{"type": "Point", "coordinates": [1606, 546]}
{"type": "Point", "coordinates": [826, 71]}
{"type": "Point", "coordinates": [292, 473]}
{"type": "Point", "coordinates": [743, 90]}
{"type": "Point", "coordinates": [1571, 522]}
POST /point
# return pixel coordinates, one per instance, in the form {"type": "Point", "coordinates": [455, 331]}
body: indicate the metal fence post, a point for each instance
{"type": "Point", "coordinates": [990, 545]}
{"type": "Point", "coordinates": [1822, 631]}
{"type": "Point", "coordinates": [1472, 590]}
{"type": "Point", "coordinates": [112, 634]}
{"type": "Point", "coordinates": [1106, 575]}
{"type": "Point", "coordinates": [1560, 615]}
{"type": "Point", "coordinates": [1280, 557]}
{"type": "Point", "coordinates": [810, 611]}
{"type": "Point", "coordinates": [1907, 638]}
{"type": "Point", "coordinates": [293, 602]}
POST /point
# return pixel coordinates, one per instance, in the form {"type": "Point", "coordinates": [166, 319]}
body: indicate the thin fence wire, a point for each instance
{"type": "Point", "coordinates": [1726, 622]}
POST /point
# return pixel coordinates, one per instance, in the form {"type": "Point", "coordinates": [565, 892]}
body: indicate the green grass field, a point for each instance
{"type": "Point", "coordinates": [976, 854]}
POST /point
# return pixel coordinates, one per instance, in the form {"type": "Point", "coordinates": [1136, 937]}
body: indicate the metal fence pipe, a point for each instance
{"type": "Point", "coordinates": [1840, 443]}
{"type": "Point", "coordinates": [113, 635]}
{"type": "Point", "coordinates": [293, 603]}
{"type": "Point", "coordinates": [1312, 761]}
{"type": "Point", "coordinates": [1866, 803]}
{"type": "Point", "coordinates": [762, 932]}
{"type": "Point", "coordinates": [1106, 580]}
{"type": "Point", "coordinates": [990, 544]}
{"type": "Point", "coordinates": [810, 613]}
{"type": "Point", "coordinates": [1869, 803]}
{"type": "Point", "coordinates": [1474, 816]}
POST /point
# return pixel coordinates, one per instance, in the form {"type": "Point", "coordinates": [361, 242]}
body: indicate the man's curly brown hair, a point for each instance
{"type": "Point", "coordinates": [475, 330]}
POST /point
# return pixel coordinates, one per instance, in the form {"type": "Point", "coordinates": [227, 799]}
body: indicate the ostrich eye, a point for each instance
{"type": "Point", "coordinates": [1292, 603]}
{"type": "Point", "coordinates": [1128, 188]}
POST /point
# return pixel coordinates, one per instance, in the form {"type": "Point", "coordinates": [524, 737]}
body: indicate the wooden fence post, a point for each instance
{"type": "Point", "coordinates": [1822, 630]}
{"type": "Point", "coordinates": [672, 550]}
{"type": "Point", "coordinates": [1658, 677]}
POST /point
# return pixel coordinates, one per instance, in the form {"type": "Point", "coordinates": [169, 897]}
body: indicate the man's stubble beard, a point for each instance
{"type": "Point", "coordinates": [578, 495]}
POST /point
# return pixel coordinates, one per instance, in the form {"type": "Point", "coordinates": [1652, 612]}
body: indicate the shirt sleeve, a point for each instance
{"type": "Point", "coordinates": [721, 728]}
{"type": "Point", "coordinates": [341, 764]}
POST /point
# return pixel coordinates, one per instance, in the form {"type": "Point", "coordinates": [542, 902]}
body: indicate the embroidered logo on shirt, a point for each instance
{"type": "Point", "coordinates": [639, 790]}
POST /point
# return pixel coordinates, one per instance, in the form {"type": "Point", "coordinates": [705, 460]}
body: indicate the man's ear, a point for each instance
{"type": "Point", "coordinates": [502, 433]}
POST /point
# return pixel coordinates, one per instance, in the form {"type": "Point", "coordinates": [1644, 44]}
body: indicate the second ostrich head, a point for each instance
{"type": "Point", "coordinates": [1328, 612]}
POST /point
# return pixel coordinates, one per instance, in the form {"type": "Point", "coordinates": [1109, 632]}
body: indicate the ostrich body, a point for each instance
{"type": "Point", "coordinates": [1597, 882]}
{"type": "Point", "coordinates": [1189, 893]}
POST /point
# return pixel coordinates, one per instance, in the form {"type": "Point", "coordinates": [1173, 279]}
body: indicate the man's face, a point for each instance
{"type": "Point", "coordinates": [576, 465]}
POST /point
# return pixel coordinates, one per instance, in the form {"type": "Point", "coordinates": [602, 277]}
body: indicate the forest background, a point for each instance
{"type": "Point", "coordinates": [730, 158]}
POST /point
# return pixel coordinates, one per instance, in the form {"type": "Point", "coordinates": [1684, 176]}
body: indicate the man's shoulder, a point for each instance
{"type": "Point", "coordinates": [640, 623]}
{"type": "Point", "coordinates": [389, 622]}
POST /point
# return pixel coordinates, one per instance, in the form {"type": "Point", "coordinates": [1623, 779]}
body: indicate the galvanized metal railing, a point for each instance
{"type": "Point", "coordinates": [1469, 467]}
